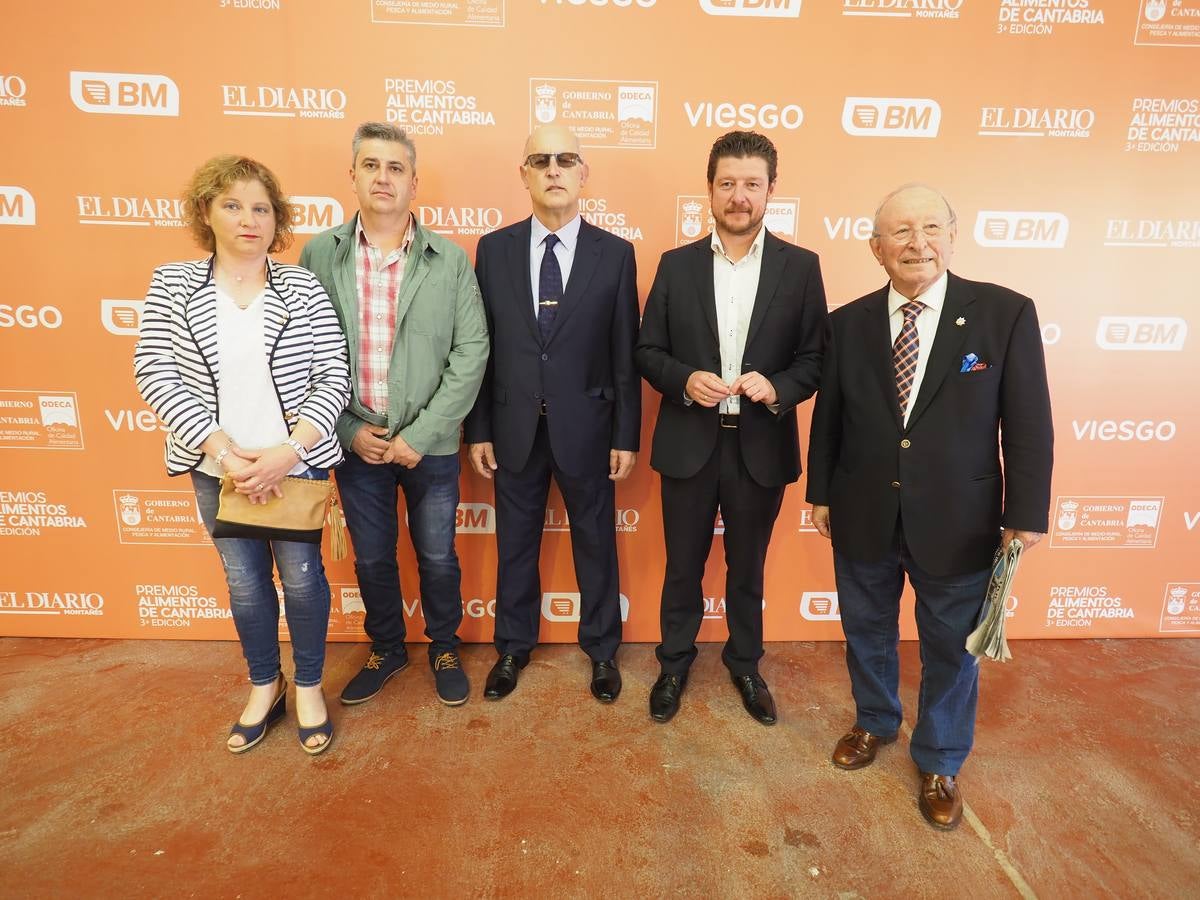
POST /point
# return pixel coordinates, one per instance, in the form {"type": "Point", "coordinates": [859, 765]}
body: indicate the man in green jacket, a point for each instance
{"type": "Point", "coordinates": [418, 341]}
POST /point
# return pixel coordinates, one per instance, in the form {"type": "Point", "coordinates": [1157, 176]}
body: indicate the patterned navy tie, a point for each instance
{"type": "Point", "coordinates": [550, 288]}
{"type": "Point", "coordinates": [905, 351]}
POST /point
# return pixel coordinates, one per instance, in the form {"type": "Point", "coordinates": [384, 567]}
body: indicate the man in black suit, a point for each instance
{"type": "Point", "coordinates": [560, 397]}
{"type": "Point", "coordinates": [731, 337]}
{"type": "Point", "coordinates": [925, 382]}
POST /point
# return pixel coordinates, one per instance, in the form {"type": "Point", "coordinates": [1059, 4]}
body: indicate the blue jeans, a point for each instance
{"type": "Point", "coordinates": [255, 602]}
{"type": "Point", "coordinates": [946, 612]}
{"type": "Point", "coordinates": [369, 494]}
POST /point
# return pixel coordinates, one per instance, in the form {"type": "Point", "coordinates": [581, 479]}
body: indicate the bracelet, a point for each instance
{"type": "Point", "coordinates": [300, 450]}
{"type": "Point", "coordinates": [224, 451]}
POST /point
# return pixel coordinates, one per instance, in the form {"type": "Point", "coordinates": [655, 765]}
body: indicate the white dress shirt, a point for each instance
{"type": "Point", "coordinates": [564, 250]}
{"type": "Point", "coordinates": [735, 285]}
{"type": "Point", "coordinates": [934, 299]}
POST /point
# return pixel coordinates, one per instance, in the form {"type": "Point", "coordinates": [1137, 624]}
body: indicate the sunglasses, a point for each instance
{"type": "Point", "coordinates": [542, 160]}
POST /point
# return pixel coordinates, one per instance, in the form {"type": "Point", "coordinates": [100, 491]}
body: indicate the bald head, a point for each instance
{"type": "Point", "coordinates": [551, 139]}
{"type": "Point", "coordinates": [911, 192]}
{"type": "Point", "coordinates": [556, 176]}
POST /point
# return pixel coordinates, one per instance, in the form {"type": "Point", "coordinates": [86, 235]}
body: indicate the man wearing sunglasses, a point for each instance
{"type": "Point", "coordinates": [560, 398]}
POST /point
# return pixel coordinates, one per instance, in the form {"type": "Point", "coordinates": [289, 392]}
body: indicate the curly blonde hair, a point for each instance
{"type": "Point", "coordinates": [215, 177]}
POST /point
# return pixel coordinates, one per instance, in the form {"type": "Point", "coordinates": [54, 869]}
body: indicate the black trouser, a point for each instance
{"type": "Point", "coordinates": [520, 517]}
{"type": "Point", "coordinates": [689, 508]}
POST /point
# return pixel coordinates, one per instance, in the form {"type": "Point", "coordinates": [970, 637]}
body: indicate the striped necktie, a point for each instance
{"type": "Point", "coordinates": [905, 351]}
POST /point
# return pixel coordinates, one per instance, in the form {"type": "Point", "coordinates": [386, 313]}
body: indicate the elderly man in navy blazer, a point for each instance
{"type": "Point", "coordinates": [927, 383]}
{"type": "Point", "coordinates": [560, 398]}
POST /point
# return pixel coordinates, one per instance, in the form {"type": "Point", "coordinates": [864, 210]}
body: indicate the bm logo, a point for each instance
{"type": "Point", "coordinates": [891, 117]}
{"type": "Point", "coordinates": [312, 215]}
{"type": "Point", "coordinates": [124, 94]}
{"type": "Point", "coordinates": [996, 228]}
{"type": "Point", "coordinates": [782, 9]}
{"type": "Point", "coordinates": [475, 518]}
{"type": "Point", "coordinates": [1162, 333]}
{"type": "Point", "coordinates": [17, 207]}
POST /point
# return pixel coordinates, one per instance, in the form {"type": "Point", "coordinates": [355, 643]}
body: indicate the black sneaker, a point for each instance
{"type": "Point", "coordinates": [452, 685]}
{"type": "Point", "coordinates": [374, 674]}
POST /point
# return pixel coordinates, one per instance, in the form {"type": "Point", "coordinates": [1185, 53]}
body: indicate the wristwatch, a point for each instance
{"type": "Point", "coordinates": [301, 450]}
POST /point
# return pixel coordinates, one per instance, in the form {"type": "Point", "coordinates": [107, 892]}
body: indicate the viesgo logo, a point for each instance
{"type": "Point", "coordinates": [312, 215]}
{"type": "Point", "coordinates": [17, 206]}
{"type": "Point", "coordinates": [743, 115]}
{"type": "Point", "coordinates": [1027, 230]}
{"type": "Point", "coordinates": [780, 9]}
{"type": "Point", "coordinates": [1160, 333]}
{"type": "Point", "coordinates": [124, 94]}
{"type": "Point", "coordinates": [1123, 430]}
{"type": "Point", "coordinates": [274, 102]}
{"type": "Point", "coordinates": [908, 117]}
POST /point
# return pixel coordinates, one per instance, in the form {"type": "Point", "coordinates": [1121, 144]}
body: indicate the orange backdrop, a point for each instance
{"type": "Point", "coordinates": [1066, 133]}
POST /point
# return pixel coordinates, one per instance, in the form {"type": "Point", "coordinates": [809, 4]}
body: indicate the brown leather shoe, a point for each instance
{"type": "Point", "coordinates": [941, 803]}
{"type": "Point", "coordinates": [857, 749]}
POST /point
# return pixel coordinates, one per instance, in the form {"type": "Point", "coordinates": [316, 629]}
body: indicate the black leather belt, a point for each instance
{"type": "Point", "coordinates": [728, 421]}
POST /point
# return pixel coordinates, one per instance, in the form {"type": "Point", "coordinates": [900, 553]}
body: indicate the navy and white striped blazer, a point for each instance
{"type": "Point", "coordinates": [177, 367]}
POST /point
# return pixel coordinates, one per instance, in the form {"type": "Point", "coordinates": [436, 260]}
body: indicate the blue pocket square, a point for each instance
{"type": "Point", "coordinates": [972, 363]}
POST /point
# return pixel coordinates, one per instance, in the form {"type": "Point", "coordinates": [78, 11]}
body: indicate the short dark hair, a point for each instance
{"type": "Point", "coordinates": [742, 144]}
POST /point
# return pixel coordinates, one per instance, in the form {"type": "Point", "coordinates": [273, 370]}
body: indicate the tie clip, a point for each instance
{"type": "Point", "coordinates": [547, 303]}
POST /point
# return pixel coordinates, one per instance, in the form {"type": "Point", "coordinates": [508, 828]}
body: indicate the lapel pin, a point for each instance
{"type": "Point", "coordinates": [960, 321]}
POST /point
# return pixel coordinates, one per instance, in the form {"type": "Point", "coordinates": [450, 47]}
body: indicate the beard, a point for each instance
{"type": "Point", "coordinates": [750, 227]}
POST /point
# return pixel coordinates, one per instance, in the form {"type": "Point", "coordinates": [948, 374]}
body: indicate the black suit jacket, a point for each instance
{"type": "Point", "coordinates": [584, 372]}
{"type": "Point", "coordinates": [942, 472]}
{"type": "Point", "coordinates": [679, 336]}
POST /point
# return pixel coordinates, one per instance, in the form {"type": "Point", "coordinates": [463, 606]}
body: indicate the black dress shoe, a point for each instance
{"type": "Point", "coordinates": [755, 697]}
{"type": "Point", "coordinates": [503, 677]}
{"type": "Point", "coordinates": [664, 696]}
{"type": "Point", "coordinates": [606, 680]}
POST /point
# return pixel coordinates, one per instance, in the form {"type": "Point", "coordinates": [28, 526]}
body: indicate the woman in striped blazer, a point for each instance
{"type": "Point", "coordinates": [243, 359]}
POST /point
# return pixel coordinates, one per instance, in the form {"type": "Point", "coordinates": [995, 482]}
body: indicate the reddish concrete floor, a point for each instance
{"type": "Point", "coordinates": [114, 782]}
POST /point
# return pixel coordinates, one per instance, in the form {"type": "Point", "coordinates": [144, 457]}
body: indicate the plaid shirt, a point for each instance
{"type": "Point", "coordinates": [379, 280]}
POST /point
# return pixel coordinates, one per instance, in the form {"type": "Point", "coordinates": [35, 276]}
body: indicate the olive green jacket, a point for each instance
{"type": "Point", "coordinates": [440, 348]}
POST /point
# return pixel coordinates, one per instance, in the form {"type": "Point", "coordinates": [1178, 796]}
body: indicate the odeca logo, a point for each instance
{"type": "Point", "coordinates": [780, 9]}
{"type": "Point", "coordinates": [17, 207]}
{"type": "Point", "coordinates": [1159, 333]}
{"type": "Point", "coordinates": [564, 607]}
{"type": "Point", "coordinates": [908, 117]}
{"type": "Point", "coordinates": [475, 518]}
{"type": "Point", "coordinates": [121, 317]}
{"type": "Point", "coordinates": [820, 606]}
{"type": "Point", "coordinates": [1029, 230]}
{"type": "Point", "coordinates": [124, 94]}
{"type": "Point", "coordinates": [312, 215]}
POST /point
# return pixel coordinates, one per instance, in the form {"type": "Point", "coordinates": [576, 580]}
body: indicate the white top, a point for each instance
{"type": "Point", "coordinates": [934, 299]}
{"type": "Point", "coordinates": [735, 285]}
{"type": "Point", "coordinates": [247, 405]}
{"type": "Point", "coordinates": [564, 251]}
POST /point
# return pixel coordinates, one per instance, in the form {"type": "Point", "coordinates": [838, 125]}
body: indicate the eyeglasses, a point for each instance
{"type": "Point", "coordinates": [542, 160]}
{"type": "Point", "coordinates": [932, 232]}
